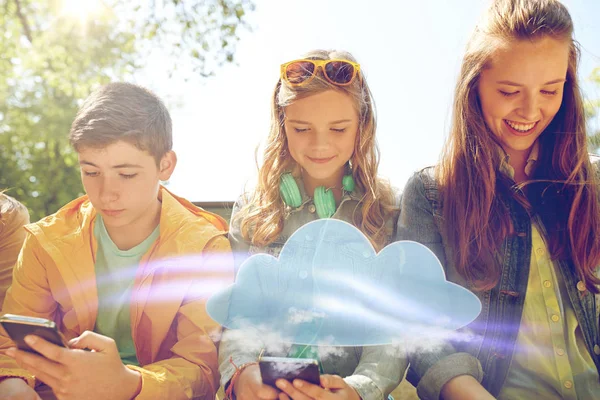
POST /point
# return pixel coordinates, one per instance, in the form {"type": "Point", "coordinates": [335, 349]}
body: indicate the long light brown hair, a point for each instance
{"type": "Point", "coordinates": [563, 190]}
{"type": "Point", "coordinates": [262, 219]}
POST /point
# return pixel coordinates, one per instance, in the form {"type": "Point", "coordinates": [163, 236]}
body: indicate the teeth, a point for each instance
{"type": "Point", "coordinates": [520, 127]}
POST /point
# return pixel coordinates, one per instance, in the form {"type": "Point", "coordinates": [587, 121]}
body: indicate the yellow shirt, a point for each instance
{"type": "Point", "coordinates": [550, 359]}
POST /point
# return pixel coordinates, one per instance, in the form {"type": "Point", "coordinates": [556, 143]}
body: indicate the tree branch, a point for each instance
{"type": "Point", "coordinates": [23, 20]}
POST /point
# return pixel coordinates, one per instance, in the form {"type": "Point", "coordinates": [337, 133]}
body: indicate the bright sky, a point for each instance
{"type": "Point", "coordinates": [409, 52]}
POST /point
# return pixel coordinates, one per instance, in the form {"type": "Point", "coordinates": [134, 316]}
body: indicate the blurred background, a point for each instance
{"type": "Point", "coordinates": [215, 63]}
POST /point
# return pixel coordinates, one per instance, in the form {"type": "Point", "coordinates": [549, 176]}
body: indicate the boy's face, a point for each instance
{"type": "Point", "coordinates": [122, 182]}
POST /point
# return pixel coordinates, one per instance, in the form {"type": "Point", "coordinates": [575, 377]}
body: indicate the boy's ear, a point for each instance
{"type": "Point", "coordinates": [167, 165]}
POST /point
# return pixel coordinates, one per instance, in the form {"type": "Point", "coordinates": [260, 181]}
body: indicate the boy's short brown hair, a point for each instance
{"type": "Point", "coordinates": [123, 111]}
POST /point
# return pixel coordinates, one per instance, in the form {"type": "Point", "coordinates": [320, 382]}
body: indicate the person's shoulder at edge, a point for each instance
{"type": "Point", "coordinates": [424, 177]}
{"type": "Point", "coordinates": [12, 212]}
{"type": "Point", "coordinates": [240, 203]}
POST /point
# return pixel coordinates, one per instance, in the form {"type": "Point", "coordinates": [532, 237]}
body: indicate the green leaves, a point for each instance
{"type": "Point", "coordinates": [592, 108]}
{"type": "Point", "coordinates": [51, 60]}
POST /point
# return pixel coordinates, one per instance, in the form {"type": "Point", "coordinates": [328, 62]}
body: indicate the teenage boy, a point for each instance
{"type": "Point", "coordinates": [124, 271]}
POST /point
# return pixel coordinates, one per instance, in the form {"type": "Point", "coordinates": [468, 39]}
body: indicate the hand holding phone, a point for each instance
{"type": "Point", "coordinates": [72, 371]}
{"type": "Point", "coordinates": [249, 386]}
{"type": "Point", "coordinates": [273, 368]}
{"type": "Point", "coordinates": [19, 326]}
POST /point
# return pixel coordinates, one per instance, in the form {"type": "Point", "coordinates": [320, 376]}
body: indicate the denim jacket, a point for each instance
{"type": "Point", "coordinates": [373, 371]}
{"type": "Point", "coordinates": [488, 354]}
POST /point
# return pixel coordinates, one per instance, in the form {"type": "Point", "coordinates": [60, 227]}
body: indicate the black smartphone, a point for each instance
{"type": "Point", "coordinates": [273, 368]}
{"type": "Point", "coordinates": [19, 326]}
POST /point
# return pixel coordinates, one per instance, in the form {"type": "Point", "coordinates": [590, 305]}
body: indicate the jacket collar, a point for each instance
{"type": "Point", "coordinates": [67, 236]}
{"type": "Point", "coordinates": [508, 170]}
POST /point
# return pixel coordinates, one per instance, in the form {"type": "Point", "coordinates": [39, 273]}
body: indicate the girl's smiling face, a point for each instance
{"type": "Point", "coordinates": [521, 91]}
{"type": "Point", "coordinates": [321, 131]}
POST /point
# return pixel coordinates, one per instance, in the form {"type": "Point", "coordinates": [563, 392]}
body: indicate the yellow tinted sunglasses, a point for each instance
{"type": "Point", "coordinates": [337, 72]}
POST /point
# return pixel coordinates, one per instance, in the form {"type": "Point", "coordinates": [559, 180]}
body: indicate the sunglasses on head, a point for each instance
{"type": "Point", "coordinates": [337, 72]}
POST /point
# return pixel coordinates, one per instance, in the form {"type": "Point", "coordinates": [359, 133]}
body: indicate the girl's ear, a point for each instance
{"type": "Point", "coordinates": [167, 165]}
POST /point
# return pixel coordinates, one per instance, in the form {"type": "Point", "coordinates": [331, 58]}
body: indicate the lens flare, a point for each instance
{"type": "Point", "coordinates": [82, 10]}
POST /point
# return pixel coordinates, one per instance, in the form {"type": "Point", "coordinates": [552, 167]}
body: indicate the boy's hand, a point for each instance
{"type": "Point", "coordinates": [249, 386]}
{"type": "Point", "coordinates": [333, 387]}
{"type": "Point", "coordinates": [78, 374]}
{"type": "Point", "coordinates": [17, 389]}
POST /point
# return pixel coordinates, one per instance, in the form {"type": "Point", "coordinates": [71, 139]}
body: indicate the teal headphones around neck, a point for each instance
{"type": "Point", "coordinates": [323, 198]}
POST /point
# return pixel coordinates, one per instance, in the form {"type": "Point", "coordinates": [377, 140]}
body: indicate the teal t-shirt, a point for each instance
{"type": "Point", "coordinates": [115, 275]}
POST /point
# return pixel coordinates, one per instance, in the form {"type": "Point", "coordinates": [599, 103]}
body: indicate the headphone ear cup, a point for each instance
{"type": "Point", "coordinates": [288, 188]}
{"type": "Point", "coordinates": [324, 202]}
{"type": "Point", "coordinates": [348, 183]}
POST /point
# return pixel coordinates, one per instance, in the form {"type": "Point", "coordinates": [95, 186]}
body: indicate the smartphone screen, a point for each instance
{"type": "Point", "coordinates": [273, 368]}
{"type": "Point", "coordinates": [19, 326]}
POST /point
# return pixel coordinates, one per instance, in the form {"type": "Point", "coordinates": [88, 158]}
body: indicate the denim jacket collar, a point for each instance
{"type": "Point", "coordinates": [508, 170]}
{"type": "Point", "coordinates": [496, 329]}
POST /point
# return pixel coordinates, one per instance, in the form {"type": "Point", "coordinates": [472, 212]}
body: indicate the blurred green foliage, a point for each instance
{"type": "Point", "coordinates": [592, 111]}
{"type": "Point", "coordinates": [51, 60]}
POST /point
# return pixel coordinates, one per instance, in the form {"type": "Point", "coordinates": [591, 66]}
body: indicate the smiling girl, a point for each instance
{"type": "Point", "coordinates": [513, 212]}
{"type": "Point", "coordinates": [320, 161]}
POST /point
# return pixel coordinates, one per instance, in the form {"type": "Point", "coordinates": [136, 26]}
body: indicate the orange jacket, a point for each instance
{"type": "Point", "coordinates": [54, 278]}
{"type": "Point", "coordinates": [13, 215]}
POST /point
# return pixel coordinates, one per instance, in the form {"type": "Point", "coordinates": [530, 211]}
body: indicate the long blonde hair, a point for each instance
{"type": "Point", "coordinates": [262, 219]}
{"type": "Point", "coordinates": [475, 218]}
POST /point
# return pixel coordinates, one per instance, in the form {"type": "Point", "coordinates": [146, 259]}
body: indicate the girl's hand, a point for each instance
{"type": "Point", "coordinates": [464, 387]}
{"type": "Point", "coordinates": [249, 386]}
{"type": "Point", "coordinates": [333, 387]}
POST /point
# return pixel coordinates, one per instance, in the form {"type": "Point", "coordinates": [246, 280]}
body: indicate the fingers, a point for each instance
{"type": "Point", "coordinates": [283, 396]}
{"type": "Point", "coordinates": [49, 350]}
{"type": "Point", "coordinates": [329, 384]}
{"type": "Point", "coordinates": [333, 382]}
{"type": "Point", "coordinates": [45, 370]}
{"type": "Point", "coordinates": [295, 391]}
{"type": "Point", "coordinates": [249, 386]}
{"type": "Point", "coordinates": [49, 377]}
{"type": "Point", "coordinates": [93, 341]}
{"type": "Point", "coordinates": [266, 392]}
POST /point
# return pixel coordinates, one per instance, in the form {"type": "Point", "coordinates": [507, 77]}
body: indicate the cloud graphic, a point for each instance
{"type": "Point", "coordinates": [329, 286]}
